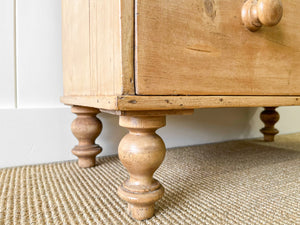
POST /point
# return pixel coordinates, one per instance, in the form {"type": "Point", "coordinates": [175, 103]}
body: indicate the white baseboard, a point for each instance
{"type": "Point", "coordinates": [33, 136]}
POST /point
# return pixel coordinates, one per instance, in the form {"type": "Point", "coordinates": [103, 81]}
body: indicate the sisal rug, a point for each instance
{"type": "Point", "coordinates": [236, 182]}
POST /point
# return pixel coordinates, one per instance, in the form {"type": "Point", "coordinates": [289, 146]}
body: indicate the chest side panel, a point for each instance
{"type": "Point", "coordinates": [97, 47]}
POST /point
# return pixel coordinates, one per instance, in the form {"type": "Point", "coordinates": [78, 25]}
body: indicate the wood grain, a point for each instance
{"type": "Point", "coordinates": [86, 128]}
{"type": "Point", "coordinates": [98, 47]}
{"type": "Point", "coordinates": [255, 14]}
{"type": "Point", "coordinates": [269, 117]}
{"type": "Point", "coordinates": [141, 152]}
{"type": "Point", "coordinates": [105, 47]}
{"type": "Point", "coordinates": [201, 47]}
{"type": "Point", "coordinates": [127, 45]}
{"type": "Point", "coordinates": [76, 47]}
{"type": "Point", "coordinates": [100, 102]}
{"type": "Point", "coordinates": [137, 103]}
{"type": "Point", "coordinates": [150, 112]}
{"type": "Point", "coordinates": [189, 54]}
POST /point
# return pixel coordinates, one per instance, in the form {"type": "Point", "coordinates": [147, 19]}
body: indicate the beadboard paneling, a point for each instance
{"type": "Point", "coordinates": [39, 60]}
{"type": "Point", "coordinates": [7, 67]}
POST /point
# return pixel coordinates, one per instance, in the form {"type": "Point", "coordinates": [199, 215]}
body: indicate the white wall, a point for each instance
{"type": "Point", "coordinates": [7, 56]}
{"type": "Point", "coordinates": [35, 126]}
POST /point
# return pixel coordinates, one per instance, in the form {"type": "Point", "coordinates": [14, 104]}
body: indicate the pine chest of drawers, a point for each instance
{"type": "Point", "coordinates": [142, 60]}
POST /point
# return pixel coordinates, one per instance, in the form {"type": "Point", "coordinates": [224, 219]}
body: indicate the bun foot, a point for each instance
{"type": "Point", "coordinates": [269, 117]}
{"type": "Point", "coordinates": [86, 128]}
{"type": "Point", "coordinates": [141, 152]}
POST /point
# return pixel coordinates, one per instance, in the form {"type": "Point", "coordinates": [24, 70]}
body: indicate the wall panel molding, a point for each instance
{"type": "Point", "coordinates": [7, 57]}
{"type": "Point", "coordinates": [39, 60]}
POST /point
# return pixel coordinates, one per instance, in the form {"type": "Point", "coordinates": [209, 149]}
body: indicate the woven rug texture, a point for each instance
{"type": "Point", "coordinates": [236, 182]}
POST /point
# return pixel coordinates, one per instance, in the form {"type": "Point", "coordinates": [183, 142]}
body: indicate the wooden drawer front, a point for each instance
{"type": "Point", "coordinates": [201, 47]}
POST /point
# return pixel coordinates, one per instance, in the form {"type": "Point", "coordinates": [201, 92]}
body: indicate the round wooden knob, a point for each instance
{"type": "Point", "coordinates": [256, 13]}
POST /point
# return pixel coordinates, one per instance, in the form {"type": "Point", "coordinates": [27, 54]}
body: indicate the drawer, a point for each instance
{"type": "Point", "coordinates": [201, 47]}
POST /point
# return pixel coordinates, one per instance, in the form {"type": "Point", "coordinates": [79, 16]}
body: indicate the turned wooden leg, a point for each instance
{"type": "Point", "coordinates": [141, 152]}
{"type": "Point", "coordinates": [86, 128]}
{"type": "Point", "coordinates": [270, 117]}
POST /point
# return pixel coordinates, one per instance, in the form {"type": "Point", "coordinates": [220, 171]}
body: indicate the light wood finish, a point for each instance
{"type": "Point", "coordinates": [145, 59]}
{"type": "Point", "coordinates": [142, 103]}
{"type": "Point", "coordinates": [127, 45]}
{"type": "Point", "coordinates": [100, 102]}
{"type": "Point", "coordinates": [76, 47]}
{"type": "Point", "coordinates": [141, 152]}
{"type": "Point", "coordinates": [269, 117]}
{"type": "Point", "coordinates": [256, 13]}
{"type": "Point", "coordinates": [201, 47]}
{"type": "Point", "coordinates": [150, 112]}
{"type": "Point", "coordinates": [97, 47]}
{"type": "Point", "coordinates": [86, 128]}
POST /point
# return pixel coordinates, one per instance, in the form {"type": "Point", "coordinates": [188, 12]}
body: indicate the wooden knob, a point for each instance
{"type": "Point", "coordinates": [256, 13]}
